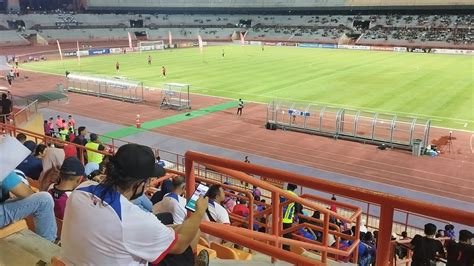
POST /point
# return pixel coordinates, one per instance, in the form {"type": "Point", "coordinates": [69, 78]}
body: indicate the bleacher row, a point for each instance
{"type": "Point", "coordinates": [340, 224]}
{"type": "Point", "coordinates": [382, 29]}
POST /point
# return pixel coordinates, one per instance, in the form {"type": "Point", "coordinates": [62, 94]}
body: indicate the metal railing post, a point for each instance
{"type": "Point", "coordinates": [276, 218]}
{"type": "Point", "coordinates": [385, 234]}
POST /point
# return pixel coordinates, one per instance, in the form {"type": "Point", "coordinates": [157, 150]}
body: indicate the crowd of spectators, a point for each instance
{"type": "Point", "coordinates": [103, 203]}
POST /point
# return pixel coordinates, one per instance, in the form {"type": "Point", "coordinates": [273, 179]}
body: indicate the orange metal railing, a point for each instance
{"type": "Point", "coordinates": [388, 203]}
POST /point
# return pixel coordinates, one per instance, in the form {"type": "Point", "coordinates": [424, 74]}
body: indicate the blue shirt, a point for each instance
{"type": "Point", "coordinates": [31, 167]}
{"type": "Point", "coordinates": [10, 182]}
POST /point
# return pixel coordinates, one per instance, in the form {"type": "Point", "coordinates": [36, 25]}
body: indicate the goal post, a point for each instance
{"type": "Point", "coordinates": [150, 45]}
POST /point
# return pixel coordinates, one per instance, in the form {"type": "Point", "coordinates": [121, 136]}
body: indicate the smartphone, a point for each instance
{"type": "Point", "coordinates": [201, 190]}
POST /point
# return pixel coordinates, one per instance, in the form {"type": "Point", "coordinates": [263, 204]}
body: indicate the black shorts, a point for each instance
{"type": "Point", "coordinates": [184, 259]}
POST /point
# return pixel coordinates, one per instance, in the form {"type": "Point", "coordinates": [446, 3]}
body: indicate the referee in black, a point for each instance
{"type": "Point", "coordinates": [240, 107]}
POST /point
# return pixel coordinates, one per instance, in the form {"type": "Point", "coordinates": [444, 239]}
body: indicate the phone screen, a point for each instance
{"type": "Point", "coordinates": [201, 190]}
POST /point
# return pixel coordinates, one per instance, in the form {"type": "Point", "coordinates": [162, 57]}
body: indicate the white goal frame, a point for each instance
{"type": "Point", "coordinates": [150, 45]}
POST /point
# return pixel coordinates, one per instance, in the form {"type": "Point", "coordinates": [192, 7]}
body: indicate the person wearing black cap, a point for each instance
{"type": "Point", "coordinates": [70, 176]}
{"type": "Point", "coordinates": [103, 227]}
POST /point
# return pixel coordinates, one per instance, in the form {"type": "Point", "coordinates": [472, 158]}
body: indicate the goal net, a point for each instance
{"type": "Point", "coordinates": [150, 45]}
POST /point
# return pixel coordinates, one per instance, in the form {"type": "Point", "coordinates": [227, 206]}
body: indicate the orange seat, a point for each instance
{"type": "Point", "coordinates": [212, 253]}
{"type": "Point", "coordinates": [297, 250]}
{"type": "Point", "coordinates": [56, 261]}
{"type": "Point", "coordinates": [227, 253]}
{"type": "Point", "coordinates": [203, 242]}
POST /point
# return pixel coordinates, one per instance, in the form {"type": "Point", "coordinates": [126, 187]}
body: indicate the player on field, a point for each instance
{"type": "Point", "coordinates": [163, 71]}
{"type": "Point", "coordinates": [117, 67]}
{"type": "Point", "coordinates": [223, 53]}
{"type": "Point", "coordinates": [149, 60]}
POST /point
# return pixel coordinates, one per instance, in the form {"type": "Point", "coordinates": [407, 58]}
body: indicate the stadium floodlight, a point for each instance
{"type": "Point", "coordinates": [151, 45]}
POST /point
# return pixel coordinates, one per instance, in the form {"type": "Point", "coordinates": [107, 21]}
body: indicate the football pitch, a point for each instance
{"type": "Point", "coordinates": [439, 87]}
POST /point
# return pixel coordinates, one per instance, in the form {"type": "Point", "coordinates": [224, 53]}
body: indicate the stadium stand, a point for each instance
{"type": "Point", "coordinates": [435, 31]}
{"type": "Point", "coordinates": [327, 221]}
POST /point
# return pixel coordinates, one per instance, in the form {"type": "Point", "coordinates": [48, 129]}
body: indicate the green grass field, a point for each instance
{"type": "Point", "coordinates": [440, 87]}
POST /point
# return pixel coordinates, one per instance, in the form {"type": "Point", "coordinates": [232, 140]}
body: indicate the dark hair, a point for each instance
{"type": "Point", "coordinates": [68, 177]}
{"type": "Point", "coordinates": [291, 187]}
{"type": "Point", "coordinates": [94, 137]}
{"type": "Point", "coordinates": [213, 191]}
{"type": "Point", "coordinates": [430, 229]}
{"type": "Point", "coordinates": [465, 235]}
{"type": "Point", "coordinates": [4, 95]}
{"type": "Point", "coordinates": [21, 137]}
{"type": "Point", "coordinates": [80, 129]}
{"type": "Point", "coordinates": [262, 201]}
{"type": "Point", "coordinates": [39, 149]}
{"type": "Point", "coordinates": [158, 158]}
{"type": "Point", "coordinates": [242, 201]}
{"type": "Point", "coordinates": [449, 227]}
{"type": "Point", "coordinates": [404, 234]}
{"type": "Point", "coordinates": [316, 215]}
{"type": "Point", "coordinates": [45, 121]}
{"type": "Point", "coordinates": [333, 197]}
{"type": "Point", "coordinates": [177, 182]}
{"type": "Point", "coordinates": [59, 115]}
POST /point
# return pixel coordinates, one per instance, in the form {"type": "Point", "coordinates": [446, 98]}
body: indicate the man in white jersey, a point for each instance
{"type": "Point", "coordinates": [215, 211]}
{"type": "Point", "coordinates": [174, 202]}
{"type": "Point", "coordinates": [102, 227]}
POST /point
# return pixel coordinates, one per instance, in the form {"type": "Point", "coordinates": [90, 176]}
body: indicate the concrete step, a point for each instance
{"type": "Point", "coordinates": [26, 248]}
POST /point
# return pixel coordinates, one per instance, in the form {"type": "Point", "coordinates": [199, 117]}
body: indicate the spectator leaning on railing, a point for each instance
{"type": "Point", "coordinates": [102, 215]}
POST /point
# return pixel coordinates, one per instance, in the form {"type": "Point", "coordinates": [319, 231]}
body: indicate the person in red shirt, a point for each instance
{"type": "Point", "coordinates": [241, 208]}
{"type": "Point", "coordinates": [71, 122]}
{"type": "Point", "coordinates": [59, 122]}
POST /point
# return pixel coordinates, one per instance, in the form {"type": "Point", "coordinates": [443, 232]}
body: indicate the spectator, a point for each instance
{"type": "Point", "coordinates": [71, 122]}
{"type": "Point", "coordinates": [462, 253]}
{"type": "Point", "coordinates": [229, 202]}
{"type": "Point", "coordinates": [160, 162]}
{"type": "Point", "coordinates": [52, 160]}
{"type": "Point", "coordinates": [7, 108]}
{"type": "Point", "coordinates": [241, 208]}
{"type": "Point", "coordinates": [166, 187]}
{"type": "Point", "coordinates": [256, 193]}
{"type": "Point", "coordinates": [426, 248]}
{"type": "Point", "coordinates": [101, 215]}
{"type": "Point", "coordinates": [59, 122]}
{"type": "Point", "coordinates": [21, 138]}
{"type": "Point", "coordinates": [174, 202]}
{"type": "Point", "coordinates": [305, 231]}
{"type": "Point", "coordinates": [51, 126]}
{"type": "Point", "coordinates": [47, 130]}
{"type": "Point", "coordinates": [63, 132]}
{"type": "Point", "coordinates": [215, 212]}
{"type": "Point", "coordinates": [39, 151]}
{"type": "Point", "coordinates": [80, 139]}
{"type": "Point", "coordinates": [289, 212]}
{"type": "Point", "coordinates": [366, 250]}
{"type": "Point", "coordinates": [403, 251]}
{"type": "Point", "coordinates": [449, 231]}
{"type": "Point", "coordinates": [69, 151]}
{"type": "Point", "coordinates": [31, 166]}
{"type": "Point", "coordinates": [26, 203]}
{"type": "Point", "coordinates": [94, 144]}
{"type": "Point", "coordinates": [333, 206]}
{"type": "Point", "coordinates": [70, 176]}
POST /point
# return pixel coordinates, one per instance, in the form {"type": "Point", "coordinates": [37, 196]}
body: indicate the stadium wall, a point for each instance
{"type": "Point", "coordinates": [265, 6]}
